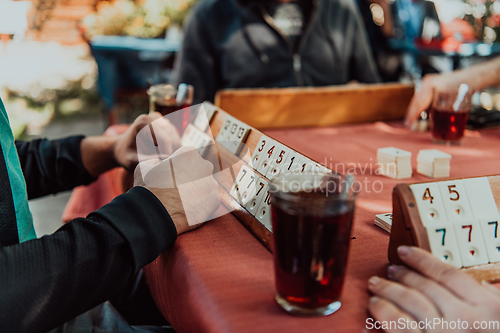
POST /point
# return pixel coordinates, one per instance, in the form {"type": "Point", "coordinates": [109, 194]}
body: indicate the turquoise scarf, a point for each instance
{"type": "Point", "coordinates": [25, 228]}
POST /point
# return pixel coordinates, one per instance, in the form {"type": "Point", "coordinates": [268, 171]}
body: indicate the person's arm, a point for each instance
{"type": "Point", "coordinates": [52, 166]}
{"type": "Point", "coordinates": [431, 290]}
{"type": "Point", "coordinates": [47, 281]}
{"type": "Point", "coordinates": [195, 63]}
{"type": "Point", "coordinates": [478, 77]}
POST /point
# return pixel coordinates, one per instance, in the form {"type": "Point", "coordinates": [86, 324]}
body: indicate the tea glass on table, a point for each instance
{"type": "Point", "coordinates": [449, 113]}
{"type": "Point", "coordinates": [311, 219]}
{"type": "Point", "coordinates": [167, 99]}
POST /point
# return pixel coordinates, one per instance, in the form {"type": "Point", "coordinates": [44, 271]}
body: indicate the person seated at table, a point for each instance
{"type": "Point", "coordinates": [48, 281]}
{"type": "Point", "coordinates": [480, 76]}
{"type": "Point", "coordinates": [281, 43]}
{"type": "Point", "coordinates": [430, 291]}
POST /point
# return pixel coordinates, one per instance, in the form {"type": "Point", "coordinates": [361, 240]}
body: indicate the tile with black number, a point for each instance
{"type": "Point", "coordinates": [259, 150]}
{"type": "Point", "coordinates": [489, 228]}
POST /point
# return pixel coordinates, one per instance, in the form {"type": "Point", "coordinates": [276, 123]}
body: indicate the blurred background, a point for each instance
{"type": "Point", "coordinates": [76, 66]}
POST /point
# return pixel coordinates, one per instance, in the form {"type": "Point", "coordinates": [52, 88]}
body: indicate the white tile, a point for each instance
{"type": "Point", "coordinates": [306, 165]}
{"type": "Point", "coordinates": [291, 162]}
{"type": "Point", "coordinates": [489, 228]}
{"type": "Point", "coordinates": [455, 200]}
{"type": "Point", "coordinates": [225, 129]}
{"type": "Point", "coordinates": [259, 150]}
{"type": "Point", "coordinates": [278, 162]}
{"type": "Point", "coordinates": [240, 135]}
{"type": "Point", "coordinates": [263, 213]}
{"type": "Point", "coordinates": [260, 191]}
{"type": "Point", "coordinates": [481, 198]}
{"type": "Point", "coordinates": [471, 244]}
{"type": "Point", "coordinates": [443, 243]}
{"type": "Point", "coordinates": [271, 152]}
{"type": "Point", "coordinates": [244, 185]}
{"type": "Point", "coordinates": [429, 203]}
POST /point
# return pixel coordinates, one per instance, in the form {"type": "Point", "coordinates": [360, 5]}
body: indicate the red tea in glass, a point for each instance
{"type": "Point", "coordinates": [448, 125]}
{"type": "Point", "coordinates": [311, 234]}
{"type": "Point", "coordinates": [449, 113]}
{"type": "Point", "coordinates": [167, 99]}
{"type": "Point", "coordinates": [168, 107]}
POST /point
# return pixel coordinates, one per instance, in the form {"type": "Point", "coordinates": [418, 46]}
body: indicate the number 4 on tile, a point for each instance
{"type": "Point", "coordinates": [429, 203]}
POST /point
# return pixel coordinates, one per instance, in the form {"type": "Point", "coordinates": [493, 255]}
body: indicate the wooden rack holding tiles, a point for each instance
{"type": "Point", "coordinates": [457, 220]}
{"type": "Point", "coordinates": [251, 157]}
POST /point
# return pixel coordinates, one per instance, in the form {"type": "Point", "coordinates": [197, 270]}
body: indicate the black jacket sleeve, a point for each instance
{"type": "Point", "coordinates": [47, 281]}
{"type": "Point", "coordinates": [51, 166]}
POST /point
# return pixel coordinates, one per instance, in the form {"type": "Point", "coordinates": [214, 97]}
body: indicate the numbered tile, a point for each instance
{"type": "Point", "coordinates": [269, 154]}
{"type": "Point", "coordinates": [225, 130]}
{"type": "Point", "coordinates": [481, 198]}
{"type": "Point", "coordinates": [264, 211]}
{"type": "Point", "coordinates": [244, 185]}
{"type": "Point", "coordinates": [455, 201]}
{"type": "Point", "coordinates": [322, 170]}
{"type": "Point", "coordinates": [249, 187]}
{"type": "Point", "coordinates": [260, 191]}
{"type": "Point", "coordinates": [291, 162]}
{"type": "Point", "coordinates": [204, 117]}
{"type": "Point", "coordinates": [429, 203]}
{"type": "Point", "coordinates": [238, 137]}
{"type": "Point", "coordinates": [278, 163]}
{"type": "Point", "coordinates": [259, 151]}
{"type": "Point", "coordinates": [443, 244]}
{"type": "Point", "coordinates": [489, 228]}
{"type": "Point", "coordinates": [305, 165]}
{"type": "Point", "coordinates": [193, 137]}
{"type": "Point", "coordinates": [471, 244]}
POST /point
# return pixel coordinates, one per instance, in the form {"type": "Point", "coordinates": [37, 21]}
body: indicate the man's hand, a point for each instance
{"type": "Point", "coordinates": [422, 100]}
{"type": "Point", "coordinates": [125, 148]}
{"type": "Point", "coordinates": [102, 153]}
{"type": "Point", "coordinates": [184, 184]}
{"type": "Point", "coordinates": [431, 289]}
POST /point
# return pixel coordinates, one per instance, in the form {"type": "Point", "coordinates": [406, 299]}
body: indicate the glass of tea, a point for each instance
{"type": "Point", "coordinates": [311, 220]}
{"type": "Point", "coordinates": [167, 99]}
{"type": "Point", "coordinates": [449, 113]}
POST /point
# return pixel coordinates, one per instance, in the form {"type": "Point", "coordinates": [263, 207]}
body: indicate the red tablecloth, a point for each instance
{"type": "Point", "coordinates": [219, 278]}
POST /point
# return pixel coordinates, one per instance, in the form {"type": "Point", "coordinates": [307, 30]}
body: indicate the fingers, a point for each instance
{"type": "Point", "coordinates": [166, 135]}
{"type": "Point", "coordinates": [384, 311]}
{"type": "Point", "coordinates": [421, 101]}
{"type": "Point", "coordinates": [444, 300]}
{"type": "Point", "coordinates": [452, 278]}
{"type": "Point", "coordinates": [407, 299]}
